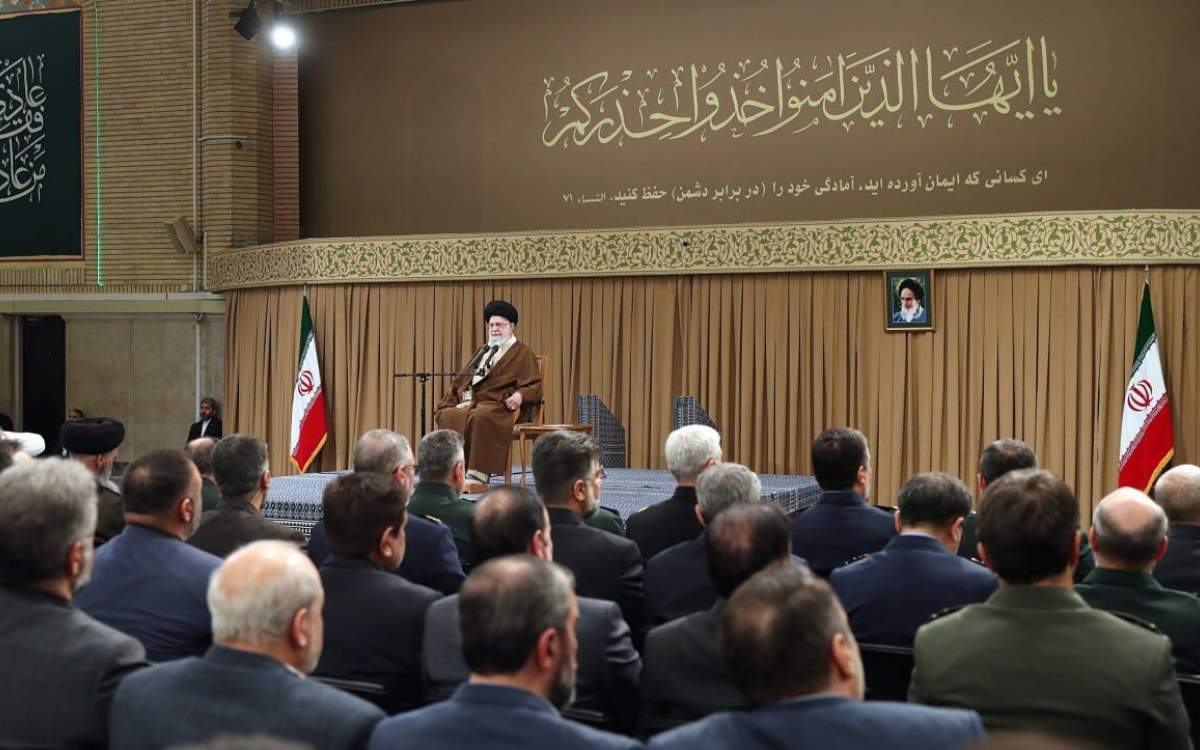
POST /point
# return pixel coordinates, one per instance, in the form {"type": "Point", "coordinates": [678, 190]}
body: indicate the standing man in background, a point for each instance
{"type": "Point", "coordinates": [209, 424]}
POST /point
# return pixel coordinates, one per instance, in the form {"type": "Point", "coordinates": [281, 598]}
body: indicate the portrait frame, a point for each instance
{"type": "Point", "coordinates": [892, 281]}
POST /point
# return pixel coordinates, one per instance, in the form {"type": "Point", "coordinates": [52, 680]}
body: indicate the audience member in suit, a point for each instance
{"type": "Point", "coordinates": [442, 466]}
{"type": "Point", "coordinates": [1035, 655]}
{"type": "Point", "coordinates": [430, 557]}
{"type": "Point", "coordinates": [209, 424]}
{"type": "Point", "coordinates": [266, 604]}
{"type": "Point", "coordinates": [677, 580]}
{"type": "Point", "coordinates": [891, 593]}
{"type": "Point", "coordinates": [685, 676]}
{"type": "Point", "coordinates": [842, 525]}
{"type": "Point", "coordinates": [690, 450]}
{"type": "Point", "coordinates": [94, 442]}
{"type": "Point", "coordinates": [518, 618]}
{"type": "Point", "coordinates": [567, 472]}
{"type": "Point", "coordinates": [241, 469]}
{"type": "Point", "coordinates": [511, 520]}
{"type": "Point", "coordinates": [365, 517]}
{"type": "Point", "coordinates": [1178, 492]}
{"type": "Point", "coordinates": [789, 648]}
{"type": "Point", "coordinates": [147, 582]}
{"type": "Point", "coordinates": [1129, 534]}
{"type": "Point", "coordinates": [999, 458]}
{"type": "Point", "coordinates": [200, 451]}
{"type": "Point", "coordinates": [60, 666]}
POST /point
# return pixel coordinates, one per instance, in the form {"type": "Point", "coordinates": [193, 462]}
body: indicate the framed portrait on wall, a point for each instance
{"type": "Point", "coordinates": [910, 304]}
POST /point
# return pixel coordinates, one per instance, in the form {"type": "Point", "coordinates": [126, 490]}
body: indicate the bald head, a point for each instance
{"type": "Point", "coordinates": [200, 451]}
{"type": "Point", "coordinates": [1128, 531]}
{"type": "Point", "coordinates": [1178, 492]}
{"type": "Point", "coordinates": [505, 522]}
{"type": "Point", "coordinates": [257, 597]}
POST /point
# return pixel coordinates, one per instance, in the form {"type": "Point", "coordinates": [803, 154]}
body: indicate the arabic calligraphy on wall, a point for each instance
{"type": "Point", "coordinates": [22, 119]}
{"type": "Point", "coordinates": [886, 88]}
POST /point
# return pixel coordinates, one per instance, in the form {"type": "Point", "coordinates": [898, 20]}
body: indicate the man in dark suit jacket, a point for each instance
{"type": "Point", "coordinates": [60, 666]}
{"type": "Point", "coordinates": [148, 583]}
{"type": "Point", "coordinates": [1035, 655]}
{"type": "Point", "coordinates": [790, 650]}
{"type": "Point", "coordinates": [430, 557]}
{"type": "Point", "coordinates": [365, 515]}
{"type": "Point", "coordinates": [677, 579]}
{"type": "Point", "coordinates": [889, 594]}
{"type": "Point", "coordinates": [511, 520]}
{"type": "Point", "coordinates": [690, 450]}
{"type": "Point", "coordinates": [240, 467]}
{"type": "Point", "coordinates": [685, 676]}
{"type": "Point", "coordinates": [842, 525]}
{"type": "Point", "coordinates": [252, 679]}
{"type": "Point", "coordinates": [999, 458]}
{"type": "Point", "coordinates": [518, 617]}
{"type": "Point", "coordinates": [1178, 492]}
{"type": "Point", "coordinates": [567, 472]}
{"type": "Point", "coordinates": [209, 424]}
{"type": "Point", "coordinates": [1129, 533]}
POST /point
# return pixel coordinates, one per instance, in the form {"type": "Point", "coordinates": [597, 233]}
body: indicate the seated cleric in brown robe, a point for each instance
{"type": "Point", "coordinates": [486, 399]}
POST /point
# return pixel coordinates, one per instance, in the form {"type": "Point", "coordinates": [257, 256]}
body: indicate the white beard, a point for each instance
{"type": "Point", "coordinates": [908, 315]}
{"type": "Point", "coordinates": [498, 340]}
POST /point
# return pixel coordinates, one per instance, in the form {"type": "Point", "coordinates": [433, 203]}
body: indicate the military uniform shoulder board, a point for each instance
{"type": "Point", "coordinates": [1135, 621]}
{"type": "Point", "coordinates": [433, 519]}
{"type": "Point", "coordinates": [888, 508]}
{"type": "Point", "coordinates": [947, 611]}
{"type": "Point", "coordinates": [856, 558]}
{"type": "Point", "coordinates": [978, 562]}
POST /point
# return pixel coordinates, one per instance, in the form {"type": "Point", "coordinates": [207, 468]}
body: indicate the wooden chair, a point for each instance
{"type": "Point", "coordinates": [532, 413]}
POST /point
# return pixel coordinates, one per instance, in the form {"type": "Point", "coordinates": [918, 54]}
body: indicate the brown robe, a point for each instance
{"type": "Point", "coordinates": [487, 425]}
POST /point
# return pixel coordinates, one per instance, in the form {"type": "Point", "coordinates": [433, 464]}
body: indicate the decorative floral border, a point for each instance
{"type": "Point", "coordinates": [1119, 238]}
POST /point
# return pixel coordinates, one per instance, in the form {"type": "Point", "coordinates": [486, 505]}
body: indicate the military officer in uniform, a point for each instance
{"type": "Point", "coordinates": [1129, 534]}
{"type": "Point", "coordinates": [1035, 655]}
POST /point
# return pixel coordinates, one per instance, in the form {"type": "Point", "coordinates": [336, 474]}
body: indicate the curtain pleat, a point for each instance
{"type": "Point", "coordinates": [1037, 354]}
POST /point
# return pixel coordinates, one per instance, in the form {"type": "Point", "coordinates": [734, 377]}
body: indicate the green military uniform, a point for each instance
{"type": "Point", "coordinates": [606, 519]}
{"type": "Point", "coordinates": [210, 494]}
{"type": "Point", "coordinates": [1040, 658]}
{"type": "Point", "coordinates": [967, 548]}
{"type": "Point", "coordinates": [1176, 614]}
{"type": "Point", "coordinates": [442, 502]}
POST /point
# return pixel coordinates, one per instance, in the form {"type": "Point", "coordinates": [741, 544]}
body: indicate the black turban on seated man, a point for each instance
{"type": "Point", "coordinates": [92, 436]}
{"type": "Point", "coordinates": [501, 308]}
{"type": "Point", "coordinates": [915, 287]}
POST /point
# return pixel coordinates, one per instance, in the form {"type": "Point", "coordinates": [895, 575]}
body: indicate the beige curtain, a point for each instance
{"type": "Point", "coordinates": [1037, 354]}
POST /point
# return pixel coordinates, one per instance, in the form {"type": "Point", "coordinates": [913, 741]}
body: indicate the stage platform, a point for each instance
{"type": "Point", "coordinates": [295, 501]}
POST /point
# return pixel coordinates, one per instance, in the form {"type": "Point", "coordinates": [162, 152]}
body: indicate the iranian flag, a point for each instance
{"type": "Point", "coordinates": [1147, 440]}
{"type": "Point", "coordinates": [308, 399]}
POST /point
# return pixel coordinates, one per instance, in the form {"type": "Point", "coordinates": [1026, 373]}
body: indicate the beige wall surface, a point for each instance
{"type": "Point", "coordinates": [141, 370]}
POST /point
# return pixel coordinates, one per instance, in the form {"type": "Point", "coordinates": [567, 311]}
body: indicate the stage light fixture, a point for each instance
{"type": "Point", "coordinates": [282, 36]}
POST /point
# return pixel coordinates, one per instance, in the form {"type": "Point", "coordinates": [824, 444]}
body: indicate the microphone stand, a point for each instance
{"type": "Point", "coordinates": [423, 379]}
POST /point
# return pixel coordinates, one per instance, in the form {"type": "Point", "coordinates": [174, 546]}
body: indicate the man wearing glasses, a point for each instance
{"type": "Point", "coordinates": [488, 397]}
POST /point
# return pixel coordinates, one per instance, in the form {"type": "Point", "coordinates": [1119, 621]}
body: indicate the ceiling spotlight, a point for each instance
{"type": "Point", "coordinates": [282, 36]}
{"type": "Point", "coordinates": [248, 22]}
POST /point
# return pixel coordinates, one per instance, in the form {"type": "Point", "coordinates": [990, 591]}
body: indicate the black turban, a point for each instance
{"type": "Point", "coordinates": [913, 286]}
{"type": "Point", "coordinates": [501, 308]}
{"type": "Point", "coordinates": [92, 436]}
